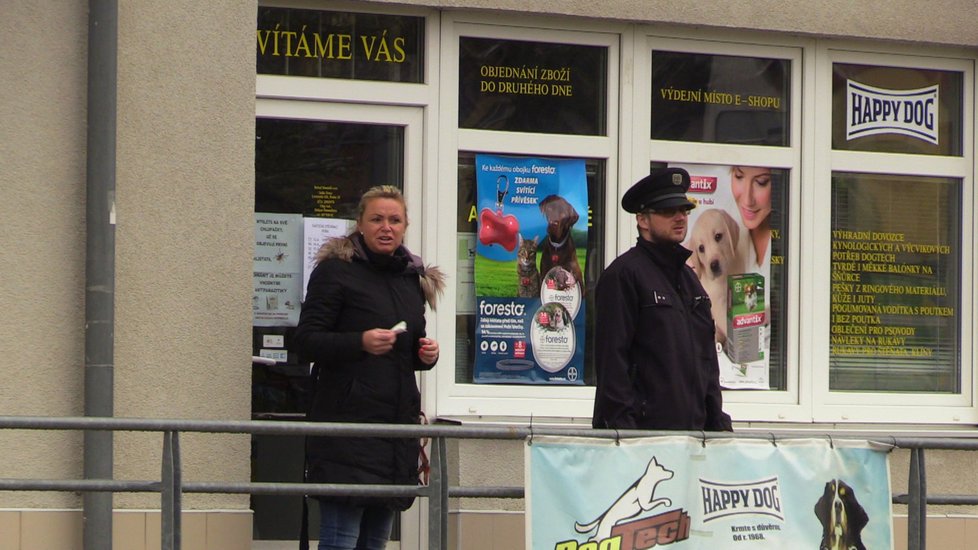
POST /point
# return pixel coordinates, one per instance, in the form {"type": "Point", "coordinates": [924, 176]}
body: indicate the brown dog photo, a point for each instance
{"type": "Point", "coordinates": [557, 248]}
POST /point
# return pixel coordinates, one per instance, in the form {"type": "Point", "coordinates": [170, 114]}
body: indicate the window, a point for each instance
{"type": "Point", "coordinates": [711, 101]}
{"type": "Point", "coordinates": [340, 44]}
{"type": "Point", "coordinates": [309, 175]}
{"type": "Point", "coordinates": [898, 253]}
{"type": "Point", "coordinates": [522, 86]}
{"type": "Point", "coordinates": [720, 98]}
{"type": "Point", "coordinates": [536, 128]}
{"type": "Point", "coordinates": [895, 324]}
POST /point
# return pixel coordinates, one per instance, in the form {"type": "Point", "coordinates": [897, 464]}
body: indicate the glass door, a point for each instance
{"type": "Point", "coordinates": [313, 160]}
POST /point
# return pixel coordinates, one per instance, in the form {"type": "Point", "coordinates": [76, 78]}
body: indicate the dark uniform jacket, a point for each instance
{"type": "Point", "coordinates": [654, 345]}
{"type": "Point", "coordinates": [349, 292]}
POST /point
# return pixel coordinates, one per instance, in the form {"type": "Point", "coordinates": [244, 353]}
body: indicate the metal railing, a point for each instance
{"type": "Point", "coordinates": [171, 485]}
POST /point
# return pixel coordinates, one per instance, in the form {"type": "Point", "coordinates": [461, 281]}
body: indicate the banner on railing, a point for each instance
{"type": "Point", "coordinates": [686, 492]}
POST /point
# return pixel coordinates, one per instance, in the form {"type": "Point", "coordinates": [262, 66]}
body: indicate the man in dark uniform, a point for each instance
{"type": "Point", "coordinates": [654, 346]}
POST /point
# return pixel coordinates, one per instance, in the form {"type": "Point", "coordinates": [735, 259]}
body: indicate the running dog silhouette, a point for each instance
{"type": "Point", "coordinates": [638, 498]}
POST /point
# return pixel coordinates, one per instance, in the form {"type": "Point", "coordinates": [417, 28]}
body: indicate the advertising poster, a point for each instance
{"type": "Point", "coordinates": [277, 270]}
{"type": "Point", "coordinates": [529, 265]}
{"type": "Point", "coordinates": [465, 274]}
{"type": "Point", "coordinates": [682, 492]}
{"type": "Point", "coordinates": [730, 236]}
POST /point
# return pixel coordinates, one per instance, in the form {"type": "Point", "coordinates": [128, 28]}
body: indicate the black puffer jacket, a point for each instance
{"type": "Point", "coordinates": [352, 291]}
{"type": "Point", "coordinates": [654, 352]}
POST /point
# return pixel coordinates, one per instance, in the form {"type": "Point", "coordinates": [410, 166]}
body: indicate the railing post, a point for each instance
{"type": "Point", "coordinates": [438, 498]}
{"type": "Point", "coordinates": [170, 492]}
{"type": "Point", "coordinates": [917, 502]}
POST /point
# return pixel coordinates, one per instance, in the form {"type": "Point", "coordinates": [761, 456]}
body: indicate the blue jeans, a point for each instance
{"type": "Point", "coordinates": [348, 527]}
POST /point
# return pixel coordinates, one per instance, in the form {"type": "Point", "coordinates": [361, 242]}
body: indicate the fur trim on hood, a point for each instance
{"type": "Point", "coordinates": [433, 279]}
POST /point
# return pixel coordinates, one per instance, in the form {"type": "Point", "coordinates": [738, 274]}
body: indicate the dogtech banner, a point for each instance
{"type": "Point", "coordinates": [529, 264]}
{"type": "Point", "coordinates": [722, 494]}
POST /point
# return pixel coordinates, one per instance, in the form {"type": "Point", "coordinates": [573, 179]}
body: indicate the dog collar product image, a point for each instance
{"type": "Point", "coordinates": [560, 286]}
{"type": "Point", "coordinates": [514, 365]}
{"type": "Point", "coordinates": [552, 334]}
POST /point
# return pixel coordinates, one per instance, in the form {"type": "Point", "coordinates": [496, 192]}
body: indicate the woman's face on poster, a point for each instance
{"type": "Point", "coordinates": [383, 224]}
{"type": "Point", "coordinates": [751, 188]}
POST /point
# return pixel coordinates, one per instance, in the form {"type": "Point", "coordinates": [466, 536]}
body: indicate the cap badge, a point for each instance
{"type": "Point", "coordinates": [677, 179]}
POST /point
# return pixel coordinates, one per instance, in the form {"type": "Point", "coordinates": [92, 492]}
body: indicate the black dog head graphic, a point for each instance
{"type": "Point", "coordinates": [841, 516]}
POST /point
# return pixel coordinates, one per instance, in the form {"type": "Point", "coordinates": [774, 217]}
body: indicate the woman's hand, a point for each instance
{"type": "Point", "coordinates": [378, 341]}
{"type": "Point", "coordinates": [428, 352]}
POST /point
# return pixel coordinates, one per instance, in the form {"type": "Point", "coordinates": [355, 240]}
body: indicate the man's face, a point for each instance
{"type": "Point", "coordinates": [666, 225]}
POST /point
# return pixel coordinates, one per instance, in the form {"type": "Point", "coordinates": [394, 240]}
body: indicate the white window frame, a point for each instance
{"type": "Point", "coordinates": [627, 151]}
{"type": "Point", "coordinates": [809, 159]}
{"type": "Point", "coordinates": [792, 404]}
{"type": "Point", "coordinates": [889, 406]}
{"type": "Point", "coordinates": [490, 402]}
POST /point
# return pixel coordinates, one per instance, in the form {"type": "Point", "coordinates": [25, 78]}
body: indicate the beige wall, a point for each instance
{"type": "Point", "coordinates": [949, 22]}
{"type": "Point", "coordinates": [42, 259]}
{"type": "Point", "coordinates": [185, 197]}
{"type": "Point", "coordinates": [185, 203]}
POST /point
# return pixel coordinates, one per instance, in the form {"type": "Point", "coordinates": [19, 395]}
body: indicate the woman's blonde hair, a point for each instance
{"type": "Point", "coordinates": [380, 192]}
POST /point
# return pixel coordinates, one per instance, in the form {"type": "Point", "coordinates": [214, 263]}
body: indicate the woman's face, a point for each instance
{"type": "Point", "coordinates": [752, 191]}
{"type": "Point", "coordinates": [383, 224]}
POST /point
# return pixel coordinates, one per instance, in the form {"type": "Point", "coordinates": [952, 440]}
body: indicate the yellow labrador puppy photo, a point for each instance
{"type": "Point", "coordinates": [715, 242]}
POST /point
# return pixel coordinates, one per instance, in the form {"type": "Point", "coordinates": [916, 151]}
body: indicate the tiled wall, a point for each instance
{"type": "Point", "coordinates": [504, 531]}
{"type": "Point", "coordinates": [231, 530]}
{"type": "Point", "coordinates": [131, 529]}
{"type": "Point", "coordinates": [943, 532]}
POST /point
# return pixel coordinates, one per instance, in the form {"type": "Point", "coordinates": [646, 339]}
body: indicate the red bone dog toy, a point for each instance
{"type": "Point", "coordinates": [495, 227]}
{"type": "Point", "coordinates": [499, 229]}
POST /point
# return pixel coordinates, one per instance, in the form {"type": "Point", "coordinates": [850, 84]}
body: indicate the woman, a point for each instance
{"type": "Point", "coordinates": [751, 188]}
{"type": "Point", "coordinates": [363, 325]}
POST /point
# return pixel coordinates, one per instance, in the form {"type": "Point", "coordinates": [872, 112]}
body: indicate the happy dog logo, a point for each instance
{"type": "Point", "coordinates": [623, 525]}
{"type": "Point", "coordinates": [727, 499]}
{"type": "Point", "coordinates": [871, 110]}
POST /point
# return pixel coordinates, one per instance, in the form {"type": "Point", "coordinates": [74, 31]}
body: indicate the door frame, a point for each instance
{"type": "Point", "coordinates": [413, 536]}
